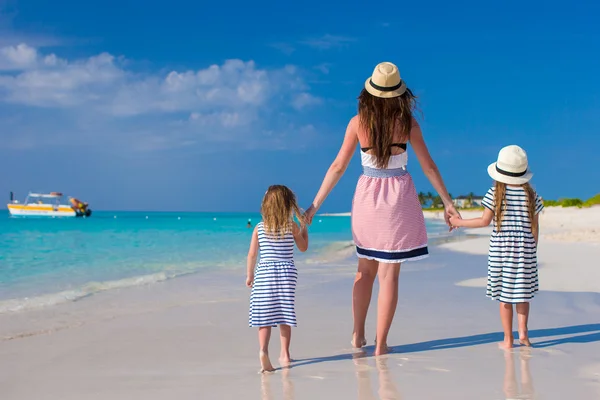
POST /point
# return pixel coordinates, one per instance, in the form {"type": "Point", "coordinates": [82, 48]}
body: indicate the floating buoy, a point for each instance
{"type": "Point", "coordinates": [215, 218]}
{"type": "Point", "coordinates": [178, 217]}
{"type": "Point", "coordinates": [320, 220]}
{"type": "Point", "coordinates": [146, 217]}
{"type": "Point", "coordinates": [115, 217]}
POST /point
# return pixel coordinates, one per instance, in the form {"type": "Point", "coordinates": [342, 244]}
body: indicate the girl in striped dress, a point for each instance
{"type": "Point", "coordinates": [512, 262]}
{"type": "Point", "coordinates": [273, 281]}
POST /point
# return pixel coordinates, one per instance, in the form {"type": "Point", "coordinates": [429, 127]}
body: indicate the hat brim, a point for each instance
{"type": "Point", "coordinates": [384, 94]}
{"type": "Point", "coordinates": [510, 180]}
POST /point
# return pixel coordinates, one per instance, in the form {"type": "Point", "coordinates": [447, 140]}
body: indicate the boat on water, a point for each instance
{"type": "Point", "coordinates": [48, 205]}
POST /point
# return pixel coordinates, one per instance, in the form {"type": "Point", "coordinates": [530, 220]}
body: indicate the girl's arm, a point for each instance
{"type": "Point", "coordinates": [536, 221]}
{"type": "Point", "coordinates": [300, 237]}
{"type": "Point", "coordinates": [251, 260]}
{"type": "Point", "coordinates": [480, 222]}
{"type": "Point", "coordinates": [431, 171]}
{"type": "Point", "coordinates": [336, 170]}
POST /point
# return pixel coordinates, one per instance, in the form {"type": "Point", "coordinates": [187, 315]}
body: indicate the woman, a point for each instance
{"type": "Point", "coordinates": [388, 226]}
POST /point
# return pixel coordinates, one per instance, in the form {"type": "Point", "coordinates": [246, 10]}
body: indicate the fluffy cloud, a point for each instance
{"type": "Point", "coordinates": [100, 93]}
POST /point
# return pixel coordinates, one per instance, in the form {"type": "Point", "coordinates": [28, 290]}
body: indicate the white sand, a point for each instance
{"type": "Point", "coordinates": [188, 338]}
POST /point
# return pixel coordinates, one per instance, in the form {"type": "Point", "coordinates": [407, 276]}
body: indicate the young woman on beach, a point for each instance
{"type": "Point", "coordinates": [512, 262]}
{"type": "Point", "coordinates": [273, 280]}
{"type": "Point", "coordinates": [388, 226]}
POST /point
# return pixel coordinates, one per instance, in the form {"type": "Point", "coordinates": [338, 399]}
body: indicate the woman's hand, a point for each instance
{"type": "Point", "coordinates": [449, 214]}
{"type": "Point", "coordinates": [309, 214]}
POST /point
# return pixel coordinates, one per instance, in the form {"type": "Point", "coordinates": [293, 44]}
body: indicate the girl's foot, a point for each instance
{"type": "Point", "coordinates": [265, 362]}
{"type": "Point", "coordinates": [524, 341]}
{"type": "Point", "coordinates": [507, 343]}
{"type": "Point", "coordinates": [285, 360]}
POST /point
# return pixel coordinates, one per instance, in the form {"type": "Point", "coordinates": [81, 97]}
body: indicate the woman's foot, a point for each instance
{"type": "Point", "coordinates": [507, 343]}
{"type": "Point", "coordinates": [265, 362]}
{"type": "Point", "coordinates": [358, 342]}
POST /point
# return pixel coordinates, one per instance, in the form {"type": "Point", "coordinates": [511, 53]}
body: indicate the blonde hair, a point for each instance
{"type": "Point", "coordinates": [500, 206]}
{"type": "Point", "coordinates": [279, 206]}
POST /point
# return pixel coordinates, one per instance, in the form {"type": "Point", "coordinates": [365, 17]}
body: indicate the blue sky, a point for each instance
{"type": "Point", "coordinates": [200, 106]}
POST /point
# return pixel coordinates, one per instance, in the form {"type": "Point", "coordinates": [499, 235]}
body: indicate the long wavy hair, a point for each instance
{"type": "Point", "coordinates": [278, 209]}
{"type": "Point", "coordinates": [500, 195]}
{"type": "Point", "coordinates": [381, 118]}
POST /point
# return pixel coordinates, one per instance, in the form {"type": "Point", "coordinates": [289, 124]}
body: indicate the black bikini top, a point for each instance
{"type": "Point", "coordinates": [401, 145]}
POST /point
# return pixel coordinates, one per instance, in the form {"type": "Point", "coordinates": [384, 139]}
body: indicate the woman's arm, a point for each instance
{"type": "Point", "coordinates": [431, 170]}
{"type": "Point", "coordinates": [300, 237]}
{"type": "Point", "coordinates": [337, 168]}
{"type": "Point", "coordinates": [481, 222]}
{"type": "Point", "coordinates": [251, 260]}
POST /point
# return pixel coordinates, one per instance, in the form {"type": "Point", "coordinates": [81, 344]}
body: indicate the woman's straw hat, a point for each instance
{"type": "Point", "coordinates": [385, 81]}
{"type": "Point", "coordinates": [511, 167]}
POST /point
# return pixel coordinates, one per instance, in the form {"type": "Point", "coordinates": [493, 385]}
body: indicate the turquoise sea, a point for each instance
{"type": "Point", "coordinates": [49, 261]}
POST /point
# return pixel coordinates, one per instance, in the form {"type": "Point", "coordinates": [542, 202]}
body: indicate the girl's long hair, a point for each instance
{"type": "Point", "coordinates": [381, 118]}
{"type": "Point", "coordinates": [500, 206]}
{"type": "Point", "coordinates": [279, 206]}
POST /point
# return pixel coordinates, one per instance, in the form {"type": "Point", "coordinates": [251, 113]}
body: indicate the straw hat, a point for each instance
{"type": "Point", "coordinates": [385, 81]}
{"type": "Point", "coordinates": [511, 167]}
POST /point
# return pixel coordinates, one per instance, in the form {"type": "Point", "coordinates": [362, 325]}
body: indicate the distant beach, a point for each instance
{"type": "Point", "coordinates": [188, 337]}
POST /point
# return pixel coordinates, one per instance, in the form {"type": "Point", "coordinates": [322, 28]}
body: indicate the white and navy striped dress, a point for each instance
{"type": "Point", "coordinates": [272, 301]}
{"type": "Point", "coordinates": [512, 259]}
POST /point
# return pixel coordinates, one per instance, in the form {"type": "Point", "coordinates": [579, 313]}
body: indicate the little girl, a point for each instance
{"type": "Point", "coordinates": [512, 260]}
{"type": "Point", "coordinates": [274, 280]}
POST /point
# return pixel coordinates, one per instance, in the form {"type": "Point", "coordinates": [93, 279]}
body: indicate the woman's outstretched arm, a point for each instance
{"type": "Point", "coordinates": [336, 170]}
{"type": "Point", "coordinates": [431, 171]}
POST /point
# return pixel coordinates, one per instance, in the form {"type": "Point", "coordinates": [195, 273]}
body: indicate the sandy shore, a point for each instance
{"type": "Point", "coordinates": [188, 338]}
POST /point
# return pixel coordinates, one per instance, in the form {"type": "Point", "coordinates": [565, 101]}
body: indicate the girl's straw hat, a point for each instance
{"type": "Point", "coordinates": [511, 167]}
{"type": "Point", "coordinates": [385, 81]}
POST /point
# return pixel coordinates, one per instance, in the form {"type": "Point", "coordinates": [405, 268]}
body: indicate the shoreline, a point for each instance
{"type": "Point", "coordinates": [154, 341]}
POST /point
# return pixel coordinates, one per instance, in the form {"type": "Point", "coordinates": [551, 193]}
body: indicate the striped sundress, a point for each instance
{"type": "Point", "coordinates": [272, 300]}
{"type": "Point", "coordinates": [387, 218]}
{"type": "Point", "coordinates": [512, 259]}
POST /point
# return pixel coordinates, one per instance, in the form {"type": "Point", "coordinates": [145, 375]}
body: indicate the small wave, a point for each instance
{"type": "Point", "coordinates": [89, 289]}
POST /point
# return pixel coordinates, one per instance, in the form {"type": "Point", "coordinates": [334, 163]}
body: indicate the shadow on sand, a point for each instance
{"type": "Point", "coordinates": [573, 334]}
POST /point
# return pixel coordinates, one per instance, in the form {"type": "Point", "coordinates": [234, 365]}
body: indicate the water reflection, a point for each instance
{"type": "Point", "coordinates": [511, 386]}
{"type": "Point", "coordinates": [265, 385]}
{"type": "Point", "coordinates": [387, 387]}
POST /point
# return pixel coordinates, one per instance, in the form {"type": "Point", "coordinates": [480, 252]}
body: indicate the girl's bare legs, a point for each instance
{"type": "Point", "coordinates": [264, 335]}
{"type": "Point", "coordinates": [361, 298]}
{"type": "Point", "coordinates": [523, 318]}
{"type": "Point", "coordinates": [506, 316]}
{"type": "Point", "coordinates": [285, 334]}
{"type": "Point", "coordinates": [386, 304]}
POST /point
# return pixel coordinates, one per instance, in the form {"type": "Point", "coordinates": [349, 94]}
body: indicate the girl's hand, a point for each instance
{"type": "Point", "coordinates": [249, 281]}
{"type": "Point", "coordinates": [309, 214]}
{"type": "Point", "coordinates": [449, 214]}
{"type": "Point", "coordinates": [455, 221]}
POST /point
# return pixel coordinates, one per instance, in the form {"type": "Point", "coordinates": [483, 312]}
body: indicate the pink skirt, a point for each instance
{"type": "Point", "coordinates": [387, 218]}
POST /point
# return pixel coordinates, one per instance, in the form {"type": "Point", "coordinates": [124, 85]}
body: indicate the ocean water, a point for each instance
{"type": "Point", "coordinates": [49, 261]}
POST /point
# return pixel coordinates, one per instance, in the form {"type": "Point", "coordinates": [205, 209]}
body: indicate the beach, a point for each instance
{"type": "Point", "coordinates": [188, 337]}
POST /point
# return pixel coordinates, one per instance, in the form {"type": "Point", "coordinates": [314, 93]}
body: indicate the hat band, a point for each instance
{"type": "Point", "coordinates": [507, 173]}
{"type": "Point", "coordinates": [385, 88]}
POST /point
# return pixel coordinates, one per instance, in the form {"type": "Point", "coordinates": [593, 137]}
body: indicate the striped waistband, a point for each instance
{"type": "Point", "coordinates": [384, 173]}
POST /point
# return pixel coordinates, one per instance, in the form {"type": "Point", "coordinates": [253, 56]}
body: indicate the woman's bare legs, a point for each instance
{"type": "Point", "coordinates": [386, 303]}
{"type": "Point", "coordinates": [264, 335]}
{"type": "Point", "coordinates": [506, 316]}
{"type": "Point", "coordinates": [285, 334]}
{"type": "Point", "coordinates": [523, 318]}
{"type": "Point", "coordinates": [361, 298]}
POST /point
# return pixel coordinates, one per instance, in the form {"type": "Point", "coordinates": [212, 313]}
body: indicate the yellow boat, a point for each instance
{"type": "Point", "coordinates": [47, 205]}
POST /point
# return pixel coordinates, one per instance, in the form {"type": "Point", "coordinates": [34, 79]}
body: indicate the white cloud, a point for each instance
{"type": "Point", "coordinates": [102, 93]}
{"type": "Point", "coordinates": [303, 100]}
{"type": "Point", "coordinates": [328, 41]}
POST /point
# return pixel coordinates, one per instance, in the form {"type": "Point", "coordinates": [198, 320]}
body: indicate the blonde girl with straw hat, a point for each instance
{"type": "Point", "coordinates": [514, 207]}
